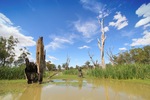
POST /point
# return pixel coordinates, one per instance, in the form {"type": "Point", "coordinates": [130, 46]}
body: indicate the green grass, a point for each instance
{"type": "Point", "coordinates": [12, 72]}
{"type": "Point", "coordinates": [12, 86]}
{"type": "Point", "coordinates": [132, 71]}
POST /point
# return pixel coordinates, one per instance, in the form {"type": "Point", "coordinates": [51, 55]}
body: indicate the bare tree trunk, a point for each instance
{"type": "Point", "coordinates": [102, 42]}
{"type": "Point", "coordinates": [40, 58]}
{"type": "Point", "coordinates": [67, 63]}
{"type": "Point", "coordinates": [94, 63]}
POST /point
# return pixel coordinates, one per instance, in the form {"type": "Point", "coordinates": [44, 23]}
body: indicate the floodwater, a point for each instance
{"type": "Point", "coordinates": [80, 90]}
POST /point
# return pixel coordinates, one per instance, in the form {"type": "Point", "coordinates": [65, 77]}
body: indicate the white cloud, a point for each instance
{"type": "Point", "coordinates": [144, 11]}
{"type": "Point", "coordinates": [96, 7]}
{"type": "Point", "coordinates": [128, 33]}
{"type": "Point", "coordinates": [89, 40]}
{"type": "Point", "coordinates": [122, 49]}
{"type": "Point", "coordinates": [106, 29]}
{"type": "Point", "coordinates": [147, 25]}
{"type": "Point", "coordinates": [52, 57]}
{"type": "Point", "coordinates": [88, 28]}
{"type": "Point", "coordinates": [84, 47]}
{"type": "Point", "coordinates": [126, 44]}
{"type": "Point", "coordinates": [5, 20]}
{"type": "Point", "coordinates": [145, 40]}
{"type": "Point", "coordinates": [121, 21]}
{"type": "Point", "coordinates": [59, 42]}
{"type": "Point", "coordinates": [7, 29]}
{"type": "Point", "coordinates": [92, 5]}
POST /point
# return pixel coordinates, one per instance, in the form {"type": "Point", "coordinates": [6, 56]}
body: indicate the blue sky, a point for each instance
{"type": "Point", "coordinates": [71, 28]}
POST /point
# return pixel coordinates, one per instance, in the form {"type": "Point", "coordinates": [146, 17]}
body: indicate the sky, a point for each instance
{"type": "Point", "coordinates": [70, 28]}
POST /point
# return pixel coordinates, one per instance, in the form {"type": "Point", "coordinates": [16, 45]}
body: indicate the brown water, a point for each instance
{"type": "Point", "coordinates": [80, 90]}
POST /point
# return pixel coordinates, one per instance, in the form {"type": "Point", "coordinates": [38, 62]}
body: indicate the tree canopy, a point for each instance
{"type": "Point", "coordinates": [7, 51]}
{"type": "Point", "coordinates": [135, 55]}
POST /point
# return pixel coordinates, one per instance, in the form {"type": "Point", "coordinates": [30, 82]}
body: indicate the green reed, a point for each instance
{"type": "Point", "coordinates": [12, 72]}
{"type": "Point", "coordinates": [70, 72]}
{"type": "Point", "coordinates": [137, 71]}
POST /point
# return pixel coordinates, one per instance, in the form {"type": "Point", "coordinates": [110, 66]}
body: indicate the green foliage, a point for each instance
{"type": "Point", "coordinates": [59, 67]}
{"type": "Point", "coordinates": [135, 55]}
{"type": "Point", "coordinates": [12, 73]}
{"type": "Point", "coordinates": [22, 56]}
{"type": "Point", "coordinates": [7, 50]}
{"type": "Point", "coordinates": [51, 67]}
{"type": "Point", "coordinates": [130, 71]}
{"type": "Point", "coordinates": [70, 72]}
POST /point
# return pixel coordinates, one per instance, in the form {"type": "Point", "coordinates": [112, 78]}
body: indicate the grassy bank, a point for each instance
{"type": "Point", "coordinates": [12, 86]}
{"type": "Point", "coordinates": [12, 72]}
{"type": "Point", "coordinates": [132, 71]}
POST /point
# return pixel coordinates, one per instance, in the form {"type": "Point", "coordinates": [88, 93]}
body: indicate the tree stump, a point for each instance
{"type": "Point", "coordinates": [40, 59]}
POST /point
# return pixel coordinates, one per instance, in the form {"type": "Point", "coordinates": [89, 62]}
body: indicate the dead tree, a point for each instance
{"type": "Point", "coordinates": [94, 63]}
{"type": "Point", "coordinates": [67, 63]}
{"type": "Point", "coordinates": [40, 58]}
{"type": "Point", "coordinates": [111, 57]}
{"type": "Point", "coordinates": [101, 42]}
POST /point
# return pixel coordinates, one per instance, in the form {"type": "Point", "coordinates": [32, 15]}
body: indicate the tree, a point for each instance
{"type": "Point", "coordinates": [77, 66]}
{"type": "Point", "coordinates": [135, 55]}
{"type": "Point", "coordinates": [64, 65]}
{"type": "Point", "coordinates": [111, 57]}
{"type": "Point", "coordinates": [67, 63]}
{"type": "Point", "coordinates": [59, 67]}
{"type": "Point", "coordinates": [95, 64]}
{"type": "Point", "coordinates": [50, 66]}
{"type": "Point", "coordinates": [7, 51]}
{"type": "Point", "coordinates": [87, 63]}
{"type": "Point", "coordinates": [101, 42]}
{"type": "Point", "coordinates": [22, 56]}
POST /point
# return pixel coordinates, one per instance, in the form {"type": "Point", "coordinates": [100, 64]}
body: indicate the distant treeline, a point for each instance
{"type": "Point", "coordinates": [135, 55]}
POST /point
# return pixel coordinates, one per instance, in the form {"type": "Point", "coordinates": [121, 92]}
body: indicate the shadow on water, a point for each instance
{"type": "Point", "coordinates": [81, 89]}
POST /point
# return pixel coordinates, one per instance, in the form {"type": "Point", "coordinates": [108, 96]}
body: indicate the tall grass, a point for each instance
{"type": "Point", "coordinates": [70, 72]}
{"type": "Point", "coordinates": [12, 72]}
{"type": "Point", "coordinates": [137, 71]}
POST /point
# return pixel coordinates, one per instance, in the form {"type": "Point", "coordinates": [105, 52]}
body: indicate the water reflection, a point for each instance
{"type": "Point", "coordinates": [94, 89]}
{"type": "Point", "coordinates": [80, 83]}
{"type": "Point", "coordinates": [122, 90]}
{"type": "Point", "coordinates": [32, 92]}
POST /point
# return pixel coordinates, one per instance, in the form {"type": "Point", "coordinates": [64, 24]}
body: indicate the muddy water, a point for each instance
{"type": "Point", "coordinates": [80, 90]}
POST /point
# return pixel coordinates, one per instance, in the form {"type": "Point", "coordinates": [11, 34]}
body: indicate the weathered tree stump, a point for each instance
{"type": "Point", "coordinates": [40, 59]}
{"type": "Point", "coordinates": [31, 71]}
